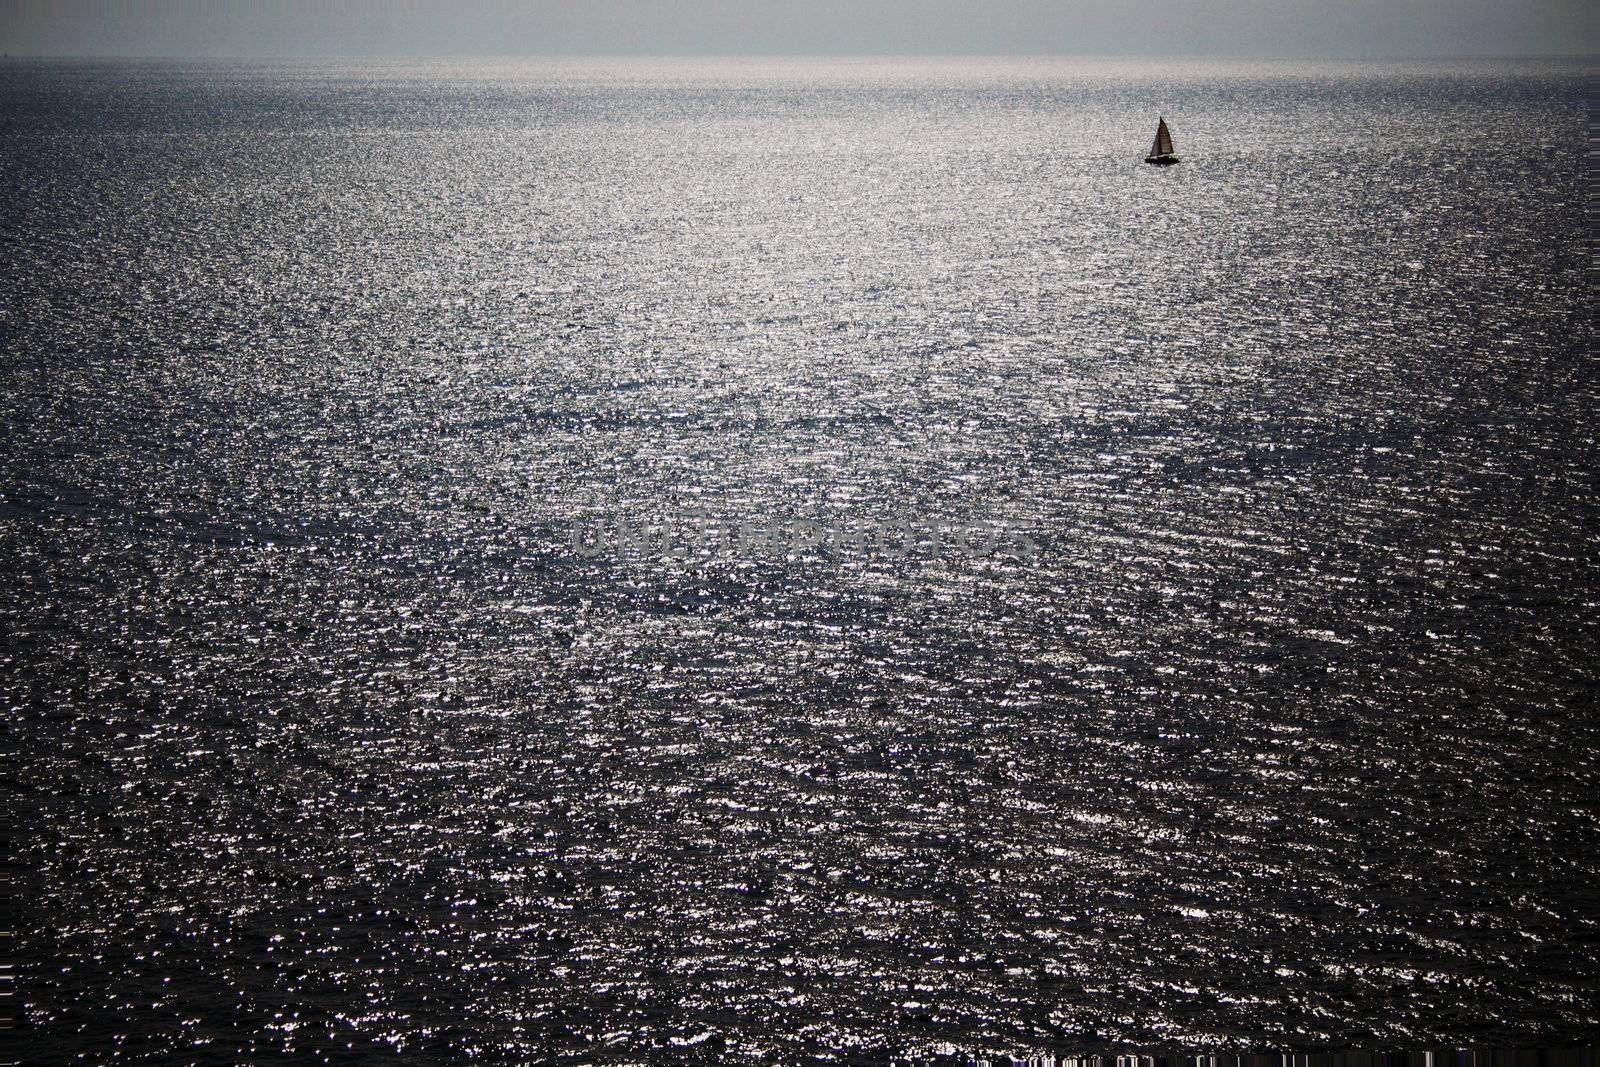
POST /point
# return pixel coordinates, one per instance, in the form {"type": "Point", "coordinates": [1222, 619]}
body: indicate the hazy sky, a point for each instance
{"type": "Point", "coordinates": [256, 28]}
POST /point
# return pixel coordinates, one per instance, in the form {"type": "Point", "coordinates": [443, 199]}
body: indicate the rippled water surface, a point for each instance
{"type": "Point", "coordinates": [327, 736]}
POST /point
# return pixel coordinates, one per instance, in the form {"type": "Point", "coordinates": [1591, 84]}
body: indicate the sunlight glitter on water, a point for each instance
{"type": "Point", "coordinates": [328, 737]}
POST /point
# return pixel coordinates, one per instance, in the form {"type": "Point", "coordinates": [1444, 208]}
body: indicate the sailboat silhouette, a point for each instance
{"type": "Point", "coordinates": [1161, 151]}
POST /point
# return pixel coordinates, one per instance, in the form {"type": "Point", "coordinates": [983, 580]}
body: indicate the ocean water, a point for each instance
{"type": "Point", "coordinates": [353, 714]}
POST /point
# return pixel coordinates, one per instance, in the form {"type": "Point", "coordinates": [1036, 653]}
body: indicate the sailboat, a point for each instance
{"type": "Point", "coordinates": [1161, 151]}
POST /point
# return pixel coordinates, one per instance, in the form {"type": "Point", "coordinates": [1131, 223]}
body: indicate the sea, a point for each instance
{"type": "Point", "coordinates": [798, 560]}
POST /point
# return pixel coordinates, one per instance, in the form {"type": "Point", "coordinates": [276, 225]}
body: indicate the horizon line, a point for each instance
{"type": "Point", "coordinates": [1186, 56]}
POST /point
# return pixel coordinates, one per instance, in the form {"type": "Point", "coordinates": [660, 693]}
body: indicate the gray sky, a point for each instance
{"type": "Point", "coordinates": [262, 28]}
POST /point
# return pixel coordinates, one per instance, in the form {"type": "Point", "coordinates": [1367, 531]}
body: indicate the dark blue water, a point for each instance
{"type": "Point", "coordinates": [1266, 720]}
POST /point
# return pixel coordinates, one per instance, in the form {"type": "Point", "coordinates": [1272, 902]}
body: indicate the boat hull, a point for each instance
{"type": "Point", "coordinates": [1161, 161]}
